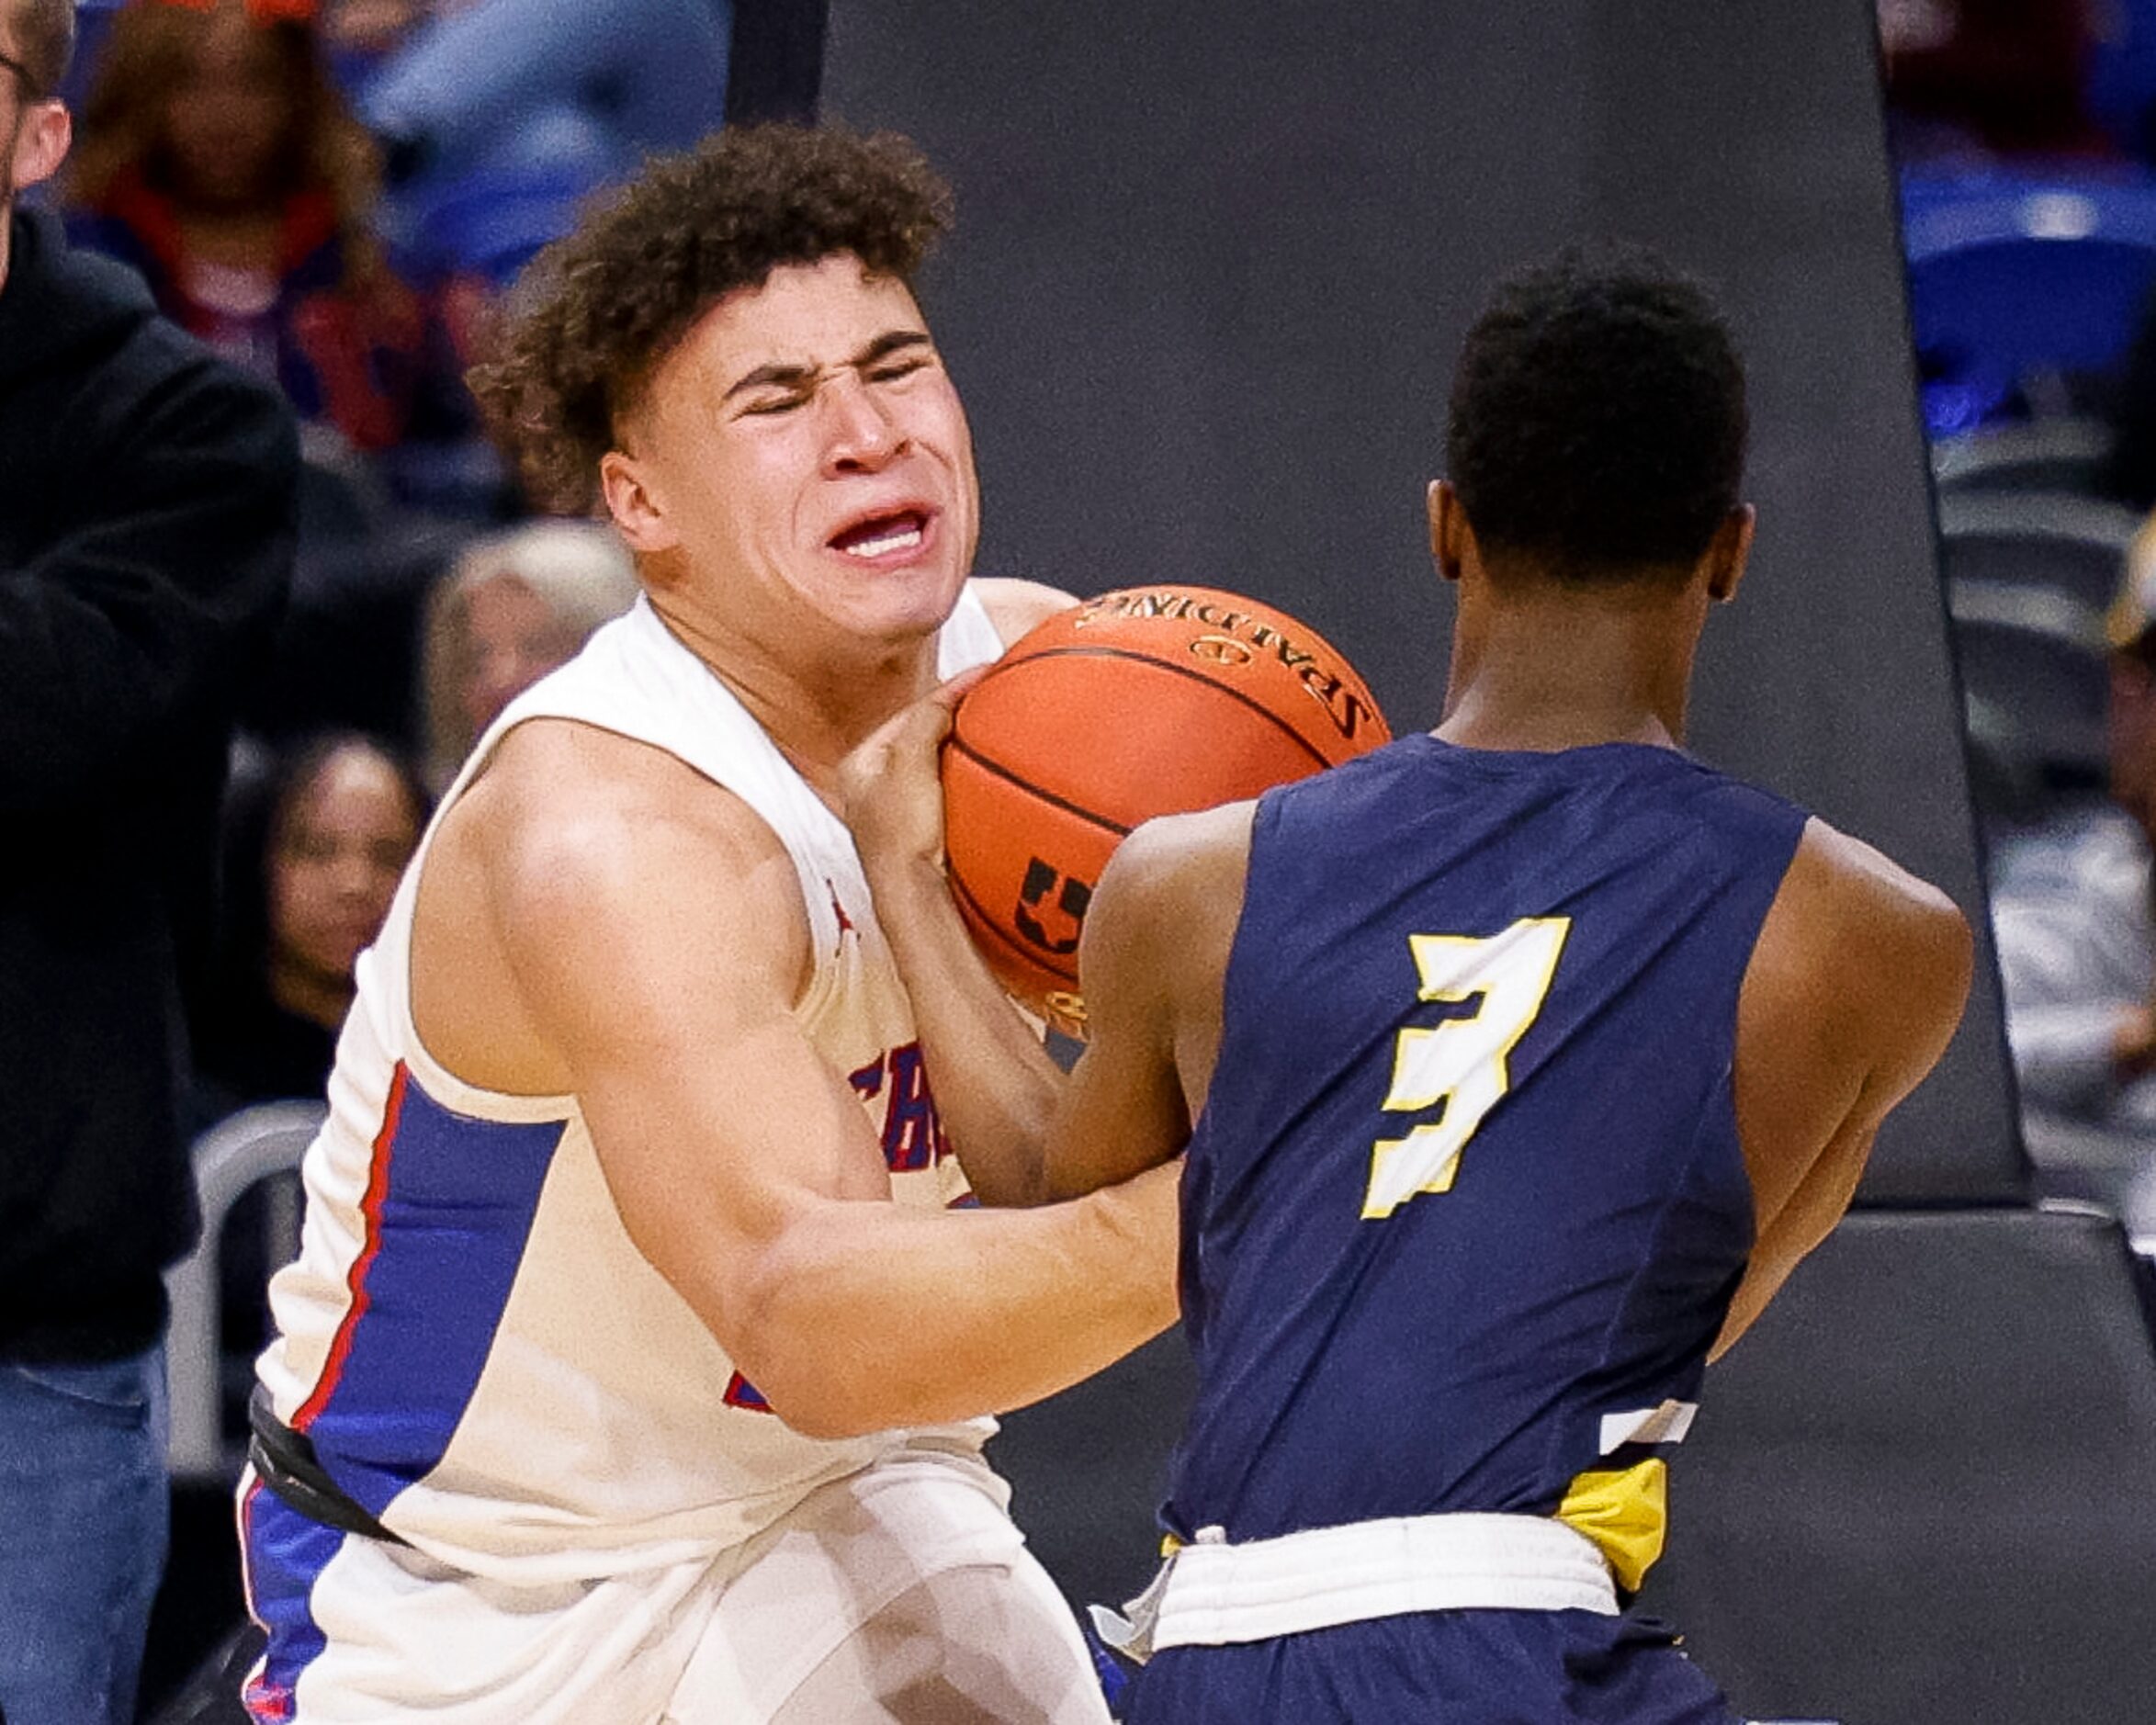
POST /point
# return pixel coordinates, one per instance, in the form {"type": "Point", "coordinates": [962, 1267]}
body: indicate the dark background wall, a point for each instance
{"type": "Point", "coordinates": [1212, 266]}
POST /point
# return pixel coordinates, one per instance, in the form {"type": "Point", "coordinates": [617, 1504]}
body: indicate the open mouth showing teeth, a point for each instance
{"type": "Point", "coordinates": [881, 535]}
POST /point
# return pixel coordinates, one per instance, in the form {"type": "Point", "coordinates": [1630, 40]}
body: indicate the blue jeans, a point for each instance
{"type": "Point", "coordinates": [83, 1522]}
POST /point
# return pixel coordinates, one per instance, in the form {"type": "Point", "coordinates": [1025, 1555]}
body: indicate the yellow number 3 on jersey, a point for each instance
{"type": "Point", "coordinates": [1459, 1066]}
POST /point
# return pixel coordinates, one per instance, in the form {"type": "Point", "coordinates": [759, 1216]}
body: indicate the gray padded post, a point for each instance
{"type": "Point", "coordinates": [232, 1156]}
{"type": "Point", "coordinates": [1921, 1491]}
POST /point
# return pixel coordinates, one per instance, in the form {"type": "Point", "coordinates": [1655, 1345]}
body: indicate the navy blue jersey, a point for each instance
{"type": "Point", "coordinates": [1465, 1205]}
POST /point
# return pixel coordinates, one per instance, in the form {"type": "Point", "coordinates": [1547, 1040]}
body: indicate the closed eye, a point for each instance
{"type": "Point", "coordinates": [776, 404]}
{"type": "Point", "coordinates": [893, 369]}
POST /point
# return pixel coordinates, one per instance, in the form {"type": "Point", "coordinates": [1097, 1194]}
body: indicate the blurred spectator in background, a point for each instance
{"type": "Point", "coordinates": [514, 605]}
{"type": "Point", "coordinates": [218, 158]}
{"type": "Point", "coordinates": [1980, 78]}
{"type": "Point", "coordinates": [358, 32]}
{"type": "Point", "coordinates": [146, 524]}
{"type": "Point", "coordinates": [313, 851]}
{"type": "Point", "coordinates": [2073, 913]}
{"type": "Point", "coordinates": [313, 854]}
{"type": "Point", "coordinates": [487, 86]}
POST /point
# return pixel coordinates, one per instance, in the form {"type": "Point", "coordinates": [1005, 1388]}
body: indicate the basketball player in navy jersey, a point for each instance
{"type": "Point", "coordinates": [1518, 1065]}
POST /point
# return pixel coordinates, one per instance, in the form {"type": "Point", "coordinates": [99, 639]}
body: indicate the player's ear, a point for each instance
{"type": "Point", "coordinates": [1729, 551]}
{"type": "Point", "coordinates": [635, 505]}
{"type": "Point", "coordinates": [1449, 533]}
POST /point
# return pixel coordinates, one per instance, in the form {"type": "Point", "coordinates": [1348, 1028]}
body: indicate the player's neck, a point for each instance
{"type": "Point", "coordinates": [816, 702]}
{"type": "Point", "coordinates": [1557, 670]}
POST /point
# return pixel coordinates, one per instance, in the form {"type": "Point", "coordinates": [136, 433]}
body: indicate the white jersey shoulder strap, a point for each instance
{"type": "Point", "coordinates": [634, 677]}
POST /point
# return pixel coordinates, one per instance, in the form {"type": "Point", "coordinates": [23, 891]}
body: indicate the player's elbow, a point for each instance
{"type": "Point", "coordinates": [809, 1363]}
{"type": "Point", "coordinates": [817, 1410]}
{"type": "Point", "coordinates": [831, 1400]}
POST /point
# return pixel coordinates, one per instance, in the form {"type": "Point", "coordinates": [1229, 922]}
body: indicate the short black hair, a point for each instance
{"type": "Point", "coordinates": [1597, 422]}
{"type": "Point", "coordinates": [602, 309]}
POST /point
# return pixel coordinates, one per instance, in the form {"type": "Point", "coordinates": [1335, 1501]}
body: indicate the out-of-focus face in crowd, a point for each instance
{"type": "Point", "coordinates": [511, 638]}
{"type": "Point", "coordinates": [338, 847]}
{"type": "Point", "coordinates": [225, 109]}
{"type": "Point", "coordinates": [517, 605]}
{"type": "Point", "coordinates": [229, 115]}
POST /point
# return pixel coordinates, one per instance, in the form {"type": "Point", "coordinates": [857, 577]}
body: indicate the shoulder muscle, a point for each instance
{"type": "Point", "coordinates": [1875, 953]}
{"type": "Point", "coordinates": [1856, 986]}
{"type": "Point", "coordinates": [580, 892]}
{"type": "Point", "coordinates": [616, 862]}
{"type": "Point", "coordinates": [1854, 989]}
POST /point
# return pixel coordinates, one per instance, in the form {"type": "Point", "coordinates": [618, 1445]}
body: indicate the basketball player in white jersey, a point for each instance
{"type": "Point", "coordinates": [632, 1365]}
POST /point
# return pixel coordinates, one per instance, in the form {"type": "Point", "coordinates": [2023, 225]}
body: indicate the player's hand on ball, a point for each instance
{"type": "Point", "coordinates": [888, 789]}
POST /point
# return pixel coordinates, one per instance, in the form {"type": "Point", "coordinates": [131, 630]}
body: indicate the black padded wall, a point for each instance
{"type": "Point", "coordinates": [1212, 268]}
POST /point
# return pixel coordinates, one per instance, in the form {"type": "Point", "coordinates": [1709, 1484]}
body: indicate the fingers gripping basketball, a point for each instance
{"type": "Point", "coordinates": [1142, 701]}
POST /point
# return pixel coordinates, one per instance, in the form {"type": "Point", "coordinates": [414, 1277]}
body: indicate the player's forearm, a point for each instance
{"type": "Point", "coordinates": [1820, 1199]}
{"type": "Point", "coordinates": [862, 1316]}
{"type": "Point", "coordinates": [996, 1088]}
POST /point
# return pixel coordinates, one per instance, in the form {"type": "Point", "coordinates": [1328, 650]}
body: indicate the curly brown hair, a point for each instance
{"type": "Point", "coordinates": [599, 311]}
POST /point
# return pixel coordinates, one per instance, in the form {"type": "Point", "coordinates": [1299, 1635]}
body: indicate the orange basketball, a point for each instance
{"type": "Point", "coordinates": [1147, 701]}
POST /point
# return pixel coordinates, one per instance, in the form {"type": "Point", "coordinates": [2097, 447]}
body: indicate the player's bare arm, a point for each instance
{"type": "Point", "coordinates": [1855, 988]}
{"type": "Point", "coordinates": [644, 955]}
{"type": "Point", "coordinates": [994, 1084]}
{"type": "Point", "coordinates": [1153, 961]}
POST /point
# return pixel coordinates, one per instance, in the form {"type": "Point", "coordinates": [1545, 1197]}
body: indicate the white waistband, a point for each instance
{"type": "Point", "coordinates": [1211, 1593]}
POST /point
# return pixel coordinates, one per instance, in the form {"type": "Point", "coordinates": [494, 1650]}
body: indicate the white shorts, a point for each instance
{"type": "Point", "coordinates": [901, 1593]}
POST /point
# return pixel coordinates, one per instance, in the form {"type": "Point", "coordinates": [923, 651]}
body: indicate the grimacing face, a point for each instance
{"type": "Point", "coordinates": [804, 453]}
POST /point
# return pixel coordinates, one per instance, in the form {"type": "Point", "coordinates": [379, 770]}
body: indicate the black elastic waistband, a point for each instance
{"type": "Point", "coordinates": [284, 1460]}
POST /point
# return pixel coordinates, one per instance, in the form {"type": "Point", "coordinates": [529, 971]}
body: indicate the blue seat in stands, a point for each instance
{"type": "Point", "coordinates": [492, 222]}
{"type": "Point", "coordinates": [2015, 285]}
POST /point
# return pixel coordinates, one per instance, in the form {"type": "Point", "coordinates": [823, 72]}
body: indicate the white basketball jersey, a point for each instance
{"type": "Point", "coordinates": [477, 1351]}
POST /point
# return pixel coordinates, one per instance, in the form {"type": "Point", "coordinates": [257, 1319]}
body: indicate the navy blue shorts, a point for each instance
{"type": "Point", "coordinates": [1446, 1668]}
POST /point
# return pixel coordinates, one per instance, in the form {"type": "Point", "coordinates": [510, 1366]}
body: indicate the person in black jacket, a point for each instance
{"type": "Point", "coordinates": [147, 504]}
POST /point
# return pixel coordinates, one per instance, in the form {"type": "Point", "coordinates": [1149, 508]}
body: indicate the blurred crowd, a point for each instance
{"type": "Point", "coordinates": [282, 560]}
{"type": "Point", "coordinates": [318, 828]}
{"type": "Point", "coordinates": [2025, 141]}
{"type": "Point", "coordinates": [331, 196]}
